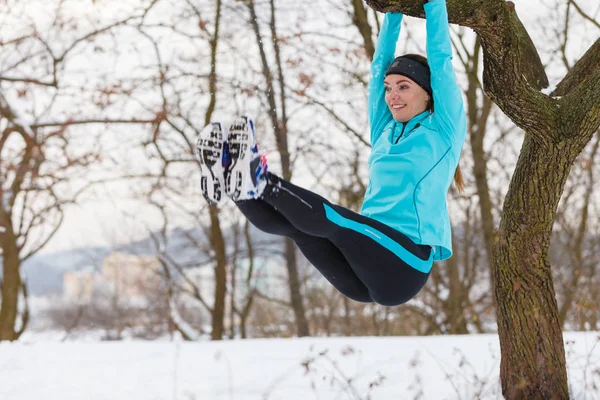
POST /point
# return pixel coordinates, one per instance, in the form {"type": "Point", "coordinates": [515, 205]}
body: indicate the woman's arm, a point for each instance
{"type": "Point", "coordinates": [379, 114]}
{"type": "Point", "coordinates": [447, 95]}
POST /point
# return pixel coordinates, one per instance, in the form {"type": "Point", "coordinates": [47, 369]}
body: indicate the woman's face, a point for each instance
{"type": "Point", "coordinates": [404, 97]}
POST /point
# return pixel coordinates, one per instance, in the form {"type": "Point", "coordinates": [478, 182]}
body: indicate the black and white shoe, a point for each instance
{"type": "Point", "coordinates": [211, 152]}
{"type": "Point", "coordinates": [246, 177]}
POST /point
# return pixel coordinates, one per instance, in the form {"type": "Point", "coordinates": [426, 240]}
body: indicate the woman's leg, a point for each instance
{"type": "Point", "coordinates": [389, 264]}
{"type": "Point", "coordinates": [234, 151]}
{"type": "Point", "coordinates": [386, 262]}
{"type": "Point", "coordinates": [320, 252]}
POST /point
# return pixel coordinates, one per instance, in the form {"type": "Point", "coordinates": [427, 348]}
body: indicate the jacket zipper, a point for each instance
{"type": "Point", "coordinates": [403, 128]}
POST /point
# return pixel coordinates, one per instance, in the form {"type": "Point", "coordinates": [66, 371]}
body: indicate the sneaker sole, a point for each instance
{"type": "Point", "coordinates": [209, 150]}
{"type": "Point", "coordinates": [241, 140]}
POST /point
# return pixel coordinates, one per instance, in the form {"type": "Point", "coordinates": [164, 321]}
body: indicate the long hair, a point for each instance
{"type": "Point", "coordinates": [458, 176]}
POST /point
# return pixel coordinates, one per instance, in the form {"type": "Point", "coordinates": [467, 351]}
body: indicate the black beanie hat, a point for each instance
{"type": "Point", "coordinates": [412, 69]}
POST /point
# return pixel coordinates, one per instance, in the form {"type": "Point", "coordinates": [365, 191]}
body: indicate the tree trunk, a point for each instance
{"type": "Point", "coordinates": [243, 323]}
{"type": "Point", "coordinates": [279, 123]}
{"type": "Point", "coordinates": [216, 235]}
{"type": "Point", "coordinates": [294, 284]}
{"type": "Point", "coordinates": [570, 289]}
{"type": "Point", "coordinates": [25, 313]}
{"type": "Point", "coordinates": [218, 245]}
{"type": "Point", "coordinates": [245, 312]}
{"type": "Point", "coordinates": [11, 284]}
{"type": "Point", "coordinates": [533, 358]}
{"type": "Point", "coordinates": [477, 118]}
{"type": "Point", "coordinates": [528, 323]}
{"type": "Point", "coordinates": [212, 81]}
{"type": "Point", "coordinates": [455, 310]}
{"type": "Point", "coordinates": [347, 317]}
{"type": "Point", "coordinates": [361, 21]}
{"type": "Point", "coordinates": [232, 295]}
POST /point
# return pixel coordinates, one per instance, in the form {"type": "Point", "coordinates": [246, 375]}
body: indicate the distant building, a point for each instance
{"type": "Point", "coordinates": [79, 284]}
{"type": "Point", "coordinates": [266, 277]}
{"type": "Point", "coordinates": [126, 276]}
{"type": "Point", "coordinates": [131, 276]}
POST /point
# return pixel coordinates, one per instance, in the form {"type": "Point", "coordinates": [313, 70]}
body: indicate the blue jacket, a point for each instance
{"type": "Point", "coordinates": [409, 180]}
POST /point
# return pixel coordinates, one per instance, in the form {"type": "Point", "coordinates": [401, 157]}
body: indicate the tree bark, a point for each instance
{"type": "Point", "coordinates": [25, 313]}
{"type": "Point", "coordinates": [533, 358]}
{"type": "Point", "coordinates": [454, 305]}
{"type": "Point", "coordinates": [361, 21]}
{"type": "Point", "coordinates": [11, 281]}
{"type": "Point", "coordinates": [218, 245]}
{"type": "Point", "coordinates": [556, 130]}
{"type": "Point", "coordinates": [28, 177]}
{"type": "Point", "coordinates": [570, 289]}
{"type": "Point", "coordinates": [249, 301]}
{"type": "Point", "coordinates": [294, 284]}
{"type": "Point", "coordinates": [478, 118]}
{"type": "Point", "coordinates": [11, 262]}
{"type": "Point", "coordinates": [216, 235]}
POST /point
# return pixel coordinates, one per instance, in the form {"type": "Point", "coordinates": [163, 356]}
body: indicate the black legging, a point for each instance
{"type": "Point", "coordinates": [359, 266]}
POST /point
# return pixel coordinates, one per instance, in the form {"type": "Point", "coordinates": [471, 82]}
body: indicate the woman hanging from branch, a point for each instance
{"type": "Point", "coordinates": [418, 126]}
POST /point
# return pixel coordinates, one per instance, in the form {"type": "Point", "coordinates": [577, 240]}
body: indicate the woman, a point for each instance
{"type": "Point", "coordinates": [418, 126]}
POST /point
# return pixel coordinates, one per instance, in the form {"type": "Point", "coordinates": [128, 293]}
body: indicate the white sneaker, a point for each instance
{"type": "Point", "coordinates": [246, 178]}
{"type": "Point", "coordinates": [211, 152]}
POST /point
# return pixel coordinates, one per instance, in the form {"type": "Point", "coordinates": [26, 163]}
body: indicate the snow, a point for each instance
{"type": "Point", "coordinates": [434, 367]}
{"type": "Point", "coordinates": [181, 323]}
{"type": "Point", "coordinates": [20, 121]}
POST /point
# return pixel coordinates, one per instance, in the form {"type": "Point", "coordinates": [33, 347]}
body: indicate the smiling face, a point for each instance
{"type": "Point", "coordinates": [404, 97]}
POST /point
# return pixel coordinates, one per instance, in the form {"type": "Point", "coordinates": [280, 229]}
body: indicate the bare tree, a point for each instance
{"type": "Point", "coordinates": [39, 157]}
{"type": "Point", "coordinates": [360, 19]}
{"type": "Point", "coordinates": [173, 140]}
{"type": "Point", "coordinates": [243, 307]}
{"type": "Point", "coordinates": [574, 258]}
{"type": "Point", "coordinates": [216, 235]}
{"type": "Point", "coordinates": [277, 112]}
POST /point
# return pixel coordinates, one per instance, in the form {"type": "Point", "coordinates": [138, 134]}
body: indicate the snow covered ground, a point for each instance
{"type": "Point", "coordinates": [440, 367]}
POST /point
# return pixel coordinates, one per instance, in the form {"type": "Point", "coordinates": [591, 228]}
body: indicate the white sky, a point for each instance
{"type": "Point", "coordinates": [118, 220]}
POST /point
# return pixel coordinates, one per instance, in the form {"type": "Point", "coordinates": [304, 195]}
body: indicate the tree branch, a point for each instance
{"type": "Point", "coordinates": [261, 295]}
{"type": "Point", "coordinates": [95, 121]}
{"type": "Point", "coordinates": [580, 108]}
{"type": "Point", "coordinates": [28, 80]}
{"type": "Point", "coordinates": [361, 21]}
{"type": "Point", "coordinates": [580, 90]}
{"type": "Point", "coordinates": [331, 112]}
{"type": "Point", "coordinates": [583, 14]}
{"type": "Point", "coordinates": [583, 69]}
{"type": "Point", "coordinates": [25, 315]}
